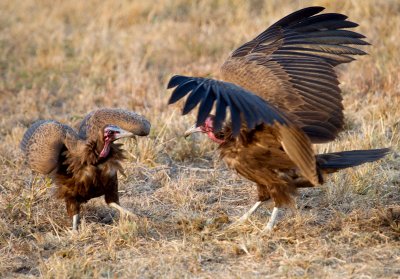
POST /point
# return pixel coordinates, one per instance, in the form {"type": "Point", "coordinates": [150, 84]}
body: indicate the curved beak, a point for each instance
{"type": "Point", "coordinates": [192, 130]}
{"type": "Point", "coordinates": [121, 133]}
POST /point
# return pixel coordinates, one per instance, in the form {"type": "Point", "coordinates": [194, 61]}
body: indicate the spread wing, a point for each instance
{"type": "Point", "coordinates": [127, 120]}
{"type": "Point", "coordinates": [246, 110]}
{"type": "Point", "coordinates": [291, 65]}
{"type": "Point", "coordinates": [43, 142]}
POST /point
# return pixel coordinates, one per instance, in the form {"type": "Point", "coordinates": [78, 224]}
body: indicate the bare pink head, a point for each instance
{"type": "Point", "coordinates": [207, 128]}
{"type": "Point", "coordinates": [112, 133]}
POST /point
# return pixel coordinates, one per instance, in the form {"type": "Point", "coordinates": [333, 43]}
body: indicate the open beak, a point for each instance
{"type": "Point", "coordinates": [121, 133]}
{"type": "Point", "coordinates": [192, 130]}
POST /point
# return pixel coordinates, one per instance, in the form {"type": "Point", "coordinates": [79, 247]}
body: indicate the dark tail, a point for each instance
{"type": "Point", "coordinates": [331, 162]}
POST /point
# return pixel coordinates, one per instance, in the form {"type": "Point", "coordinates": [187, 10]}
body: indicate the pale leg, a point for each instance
{"type": "Point", "coordinates": [75, 220]}
{"type": "Point", "coordinates": [272, 220]}
{"type": "Point", "coordinates": [248, 213]}
{"type": "Point", "coordinates": [121, 209]}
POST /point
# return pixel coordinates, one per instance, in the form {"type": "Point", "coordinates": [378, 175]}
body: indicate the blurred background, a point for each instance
{"type": "Point", "coordinates": [61, 59]}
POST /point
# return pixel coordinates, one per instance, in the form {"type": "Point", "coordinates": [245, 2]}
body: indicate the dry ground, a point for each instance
{"type": "Point", "coordinates": [61, 59]}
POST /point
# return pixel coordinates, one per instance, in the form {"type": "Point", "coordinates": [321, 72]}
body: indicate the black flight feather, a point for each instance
{"type": "Point", "coordinates": [243, 104]}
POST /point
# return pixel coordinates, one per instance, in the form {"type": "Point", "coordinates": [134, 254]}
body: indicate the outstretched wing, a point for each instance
{"type": "Point", "coordinates": [43, 142]}
{"type": "Point", "coordinates": [244, 105]}
{"type": "Point", "coordinates": [291, 65]}
{"type": "Point", "coordinates": [240, 101]}
{"type": "Point", "coordinates": [127, 120]}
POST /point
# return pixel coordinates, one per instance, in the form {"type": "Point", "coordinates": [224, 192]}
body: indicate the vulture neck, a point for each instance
{"type": "Point", "coordinates": [105, 149]}
{"type": "Point", "coordinates": [101, 149]}
{"type": "Point", "coordinates": [91, 151]}
{"type": "Point", "coordinates": [83, 153]}
{"type": "Point", "coordinates": [222, 137]}
{"type": "Point", "coordinates": [214, 138]}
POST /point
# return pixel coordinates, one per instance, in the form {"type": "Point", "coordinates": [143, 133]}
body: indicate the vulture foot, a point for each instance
{"type": "Point", "coordinates": [75, 221]}
{"type": "Point", "coordinates": [247, 215]}
{"type": "Point", "coordinates": [272, 220]}
{"type": "Point", "coordinates": [121, 209]}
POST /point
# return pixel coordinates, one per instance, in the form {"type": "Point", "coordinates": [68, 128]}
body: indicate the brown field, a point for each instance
{"type": "Point", "coordinates": [62, 59]}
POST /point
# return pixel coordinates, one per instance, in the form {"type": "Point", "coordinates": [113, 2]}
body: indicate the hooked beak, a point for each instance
{"type": "Point", "coordinates": [121, 133]}
{"type": "Point", "coordinates": [192, 130]}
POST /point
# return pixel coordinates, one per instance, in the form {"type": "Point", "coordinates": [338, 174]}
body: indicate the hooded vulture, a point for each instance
{"type": "Point", "coordinates": [282, 94]}
{"type": "Point", "coordinates": [83, 164]}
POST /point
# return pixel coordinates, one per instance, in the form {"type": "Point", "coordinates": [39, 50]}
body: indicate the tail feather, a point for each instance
{"type": "Point", "coordinates": [331, 162]}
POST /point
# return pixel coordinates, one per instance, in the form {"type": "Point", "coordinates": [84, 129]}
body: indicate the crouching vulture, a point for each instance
{"type": "Point", "coordinates": [282, 93]}
{"type": "Point", "coordinates": [83, 164]}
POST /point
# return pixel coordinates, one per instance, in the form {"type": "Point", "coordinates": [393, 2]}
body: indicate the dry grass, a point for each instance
{"type": "Point", "coordinates": [61, 59]}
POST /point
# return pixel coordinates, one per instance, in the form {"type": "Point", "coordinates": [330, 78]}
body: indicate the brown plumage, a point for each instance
{"type": "Point", "coordinates": [84, 165]}
{"type": "Point", "coordinates": [283, 95]}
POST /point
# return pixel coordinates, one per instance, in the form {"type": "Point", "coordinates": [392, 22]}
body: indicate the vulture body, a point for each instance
{"type": "Point", "coordinates": [83, 164]}
{"type": "Point", "coordinates": [282, 93]}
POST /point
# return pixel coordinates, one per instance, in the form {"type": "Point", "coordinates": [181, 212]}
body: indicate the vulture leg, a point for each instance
{"type": "Point", "coordinates": [73, 208]}
{"type": "Point", "coordinates": [121, 209]}
{"type": "Point", "coordinates": [75, 221]}
{"type": "Point", "coordinates": [112, 198]}
{"type": "Point", "coordinates": [248, 213]}
{"type": "Point", "coordinates": [263, 195]}
{"type": "Point", "coordinates": [272, 220]}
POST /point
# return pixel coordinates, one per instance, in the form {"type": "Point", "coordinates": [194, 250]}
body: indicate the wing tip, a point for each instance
{"type": "Point", "coordinates": [170, 101]}
{"type": "Point", "coordinates": [384, 151]}
{"type": "Point", "coordinates": [174, 81]}
{"type": "Point", "coordinates": [178, 81]}
{"type": "Point", "coordinates": [313, 9]}
{"type": "Point", "coordinates": [351, 24]}
{"type": "Point", "coordinates": [319, 8]}
{"type": "Point", "coordinates": [145, 128]}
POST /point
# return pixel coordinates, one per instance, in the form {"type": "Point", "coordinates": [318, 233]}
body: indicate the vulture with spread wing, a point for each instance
{"type": "Point", "coordinates": [282, 94]}
{"type": "Point", "coordinates": [83, 164]}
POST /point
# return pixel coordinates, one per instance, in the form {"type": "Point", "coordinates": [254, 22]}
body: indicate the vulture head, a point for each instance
{"type": "Point", "coordinates": [111, 133]}
{"type": "Point", "coordinates": [207, 128]}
